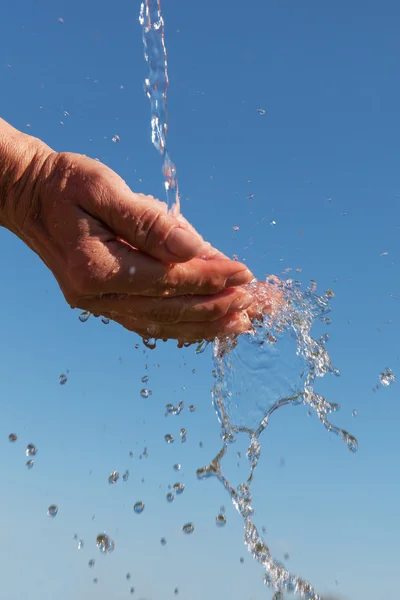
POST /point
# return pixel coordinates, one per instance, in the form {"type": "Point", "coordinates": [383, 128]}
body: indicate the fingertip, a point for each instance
{"type": "Point", "coordinates": [182, 244]}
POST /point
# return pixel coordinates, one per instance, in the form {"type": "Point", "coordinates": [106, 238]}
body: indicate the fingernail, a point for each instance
{"type": "Point", "coordinates": [241, 303]}
{"type": "Point", "coordinates": [182, 243]}
{"type": "Point", "coordinates": [240, 278]}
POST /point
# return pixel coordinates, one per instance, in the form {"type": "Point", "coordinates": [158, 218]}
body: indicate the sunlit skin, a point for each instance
{"type": "Point", "coordinates": [117, 253]}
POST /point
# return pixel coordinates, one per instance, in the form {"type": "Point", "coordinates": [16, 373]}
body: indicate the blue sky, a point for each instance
{"type": "Point", "coordinates": [323, 163]}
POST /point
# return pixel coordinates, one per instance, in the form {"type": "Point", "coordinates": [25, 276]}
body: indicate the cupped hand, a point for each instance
{"type": "Point", "coordinates": [119, 254]}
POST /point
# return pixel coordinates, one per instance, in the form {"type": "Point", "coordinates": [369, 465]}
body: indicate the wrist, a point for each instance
{"type": "Point", "coordinates": [19, 155]}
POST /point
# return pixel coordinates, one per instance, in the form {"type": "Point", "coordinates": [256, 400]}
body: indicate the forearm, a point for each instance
{"type": "Point", "coordinates": [17, 154]}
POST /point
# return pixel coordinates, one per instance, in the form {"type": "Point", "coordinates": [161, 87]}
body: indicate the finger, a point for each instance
{"type": "Point", "coordinates": [115, 268]}
{"type": "Point", "coordinates": [170, 310]}
{"type": "Point", "coordinates": [235, 324]}
{"type": "Point", "coordinates": [140, 220]}
{"type": "Point", "coordinates": [267, 299]}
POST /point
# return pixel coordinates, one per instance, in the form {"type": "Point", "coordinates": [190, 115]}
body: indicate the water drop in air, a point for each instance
{"type": "Point", "coordinates": [144, 393]}
{"type": "Point", "coordinates": [169, 438]}
{"type": "Point", "coordinates": [387, 377]}
{"type": "Point", "coordinates": [177, 467]}
{"type": "Point", "coordinates": [31, 450]}
{"type": "Point", "coordinates": [12, 437]}
{"type": "Point", "coordinates": [62, 379]}
{"type": "Point", "coordinates": [138, 507]}
{"type": "Point", "coordinates": [261, 111]}
{"type": "Point", "coordinates": [192, 408]}
{"type": "Point", "coordinates": [81, 543]}
{"type": "Point", "coordinates": [128, 576]}
{"type": "Point", "coordinates": [104, 543]}
{"type": "Point", "coordinates": [220, 520]}
{"type": "Point", "coordinates": [178, 488]}
{"type": "Point", "coordinates": [91, 563]}
{"type": "Point", "coordinates": [125, 476]}
{"type": "Point", "coordinates": [182, 433]}
{"type": "Point", "coordinates": [52, 510]}
{"type": "Point", "coordinates": [113, 477]}
{"type": "Point", "coordinates": [116, 138]}
{"type": "Point", "coordinates": [163, 541]}
{"type": "Point", "coordinates": [188, 528]}
{"type": "Point", "coordinates": [29, 464]}
{"type": "Point", "coordinates": [84, 316]}
{"type": "Point", "coordinates": [145, 378]}
{"type": "Point", "coordinates": [354, 413]}
{"type": "Point", "coordinates": [170, 497]}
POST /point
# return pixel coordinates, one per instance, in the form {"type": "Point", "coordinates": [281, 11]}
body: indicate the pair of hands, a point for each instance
{"type": "Point", "coordinates": [121, 255]}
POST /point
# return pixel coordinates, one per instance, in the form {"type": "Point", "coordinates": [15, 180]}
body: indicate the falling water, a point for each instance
{"type": "Point", "coordinates": [156, 87]}
{"type": "Point", "coordinates": [252, 380]}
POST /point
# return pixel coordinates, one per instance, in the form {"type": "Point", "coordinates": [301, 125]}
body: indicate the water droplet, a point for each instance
{"type": "Point", "coordinates": [250, 197]}
{"type": "Point", "coordinates": [104, 543]}
{"type": "Point", "coordinates": [241, 559]}
{"type": "Point", "coordinates": [236, 228]}
{"type": "Point", "coordinates": [177, 467]}
{"type": "Point", "coordinates": [125, 476]}
{"type": "Point", "coordinates": [62, 379]}
{"type": "Point", "coordinates": [387, 377]}
{"type": "Point", "coordinates": [170, 497]}
{"type": "Point", "coordinates": [145, 378]}
{"type": "Point", "coordinates": [132, 590]}
{"type": "Point", "coordinates": [192, 408]}
{"type": "Point", "coordinates": [128, 576]}
{"type": "Point", "coordinates": [116, 138]}
{"type": "Point", "coordinates": [105, 320]}
{"type": "Point", "coordinates": [163, 542]}
{"type": "Point", "coordinates": [384, 253]}
{"type": "Point", "coordinates": [31, 450]}
{"type": "Point", "coordinates": [220, 520]}
{"type": "Point", "coordinates": [176, 591]}
{"type": "Point", "coordinates": [286, 556]}
{"type": "Point", "coordinates": [277, 596]}
{"type": "Point", "coordinates": [182, 433]}
{"type": "Point", "coordinates": [144, 393]}
{"type": "Point", "coordinates": [29, 464]}
{"type": "Point", "coordinates": [95, 580]}
{"type": "Point", "coordinates": [52, 510]}
{"type": "Point", "coordinates": [169, 438]}
{"type": "Point", "coordinates": [113, 477]}
{"type": "Point", "coordinates": [81, 543]}
{"type": "Point", "coordinates": [273, 222]}
{"type": "Point", "coordinates": [261, 111]}
{"type": "Point", "coordinates": [354, 413]}
{"type": "Point", "coordinates": [84, 316]}
{"type": "Point", "coordinates": [150, 343]}
{"type": "Point", "coordinates": [138, 507]}
{"type": "Point", "coordinates": [12, 437]}
{"type": "Point", "coordinates": [91, 563]}
{"type": "Point", "coordinates": [188, 528]}
{"type": "Point", "coordinates": [178, 488]}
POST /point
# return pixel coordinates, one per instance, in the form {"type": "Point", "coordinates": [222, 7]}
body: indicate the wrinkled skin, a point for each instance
{"type": "Point", "coordinates": [119, 254]}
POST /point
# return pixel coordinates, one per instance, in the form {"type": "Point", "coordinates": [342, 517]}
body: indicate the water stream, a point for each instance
{"type": "Point", "coordinates": [260, 355]}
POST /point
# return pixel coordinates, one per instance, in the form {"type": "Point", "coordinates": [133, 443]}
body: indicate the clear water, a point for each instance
{"type": "Point", "coordinates": [156, 87]}
{"type": "Point", "coordinates": [276, 364]}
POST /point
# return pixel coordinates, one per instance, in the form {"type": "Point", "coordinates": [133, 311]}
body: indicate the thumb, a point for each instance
{"type": "Point", "coordinates": [144, 223]}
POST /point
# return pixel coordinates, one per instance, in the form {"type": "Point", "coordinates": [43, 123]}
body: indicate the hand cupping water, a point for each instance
{"type": "Point", "coordinates": [116, 253]}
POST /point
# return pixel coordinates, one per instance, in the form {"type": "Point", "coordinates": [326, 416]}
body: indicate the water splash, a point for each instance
{"type": "Point", "coordinates": [287, 329]}
{"type": "Point", "coordinates": [289, 326]}
{"type": "Point", "coordinates": [156, 87]}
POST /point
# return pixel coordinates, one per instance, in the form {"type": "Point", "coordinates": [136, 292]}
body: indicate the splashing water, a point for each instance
{"type": "Point", "coordinates": [156, 87]}
{"type": "Point", "coordinates": [262, 354]}
{"type": "Point", "coordinates": [258, 354]}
